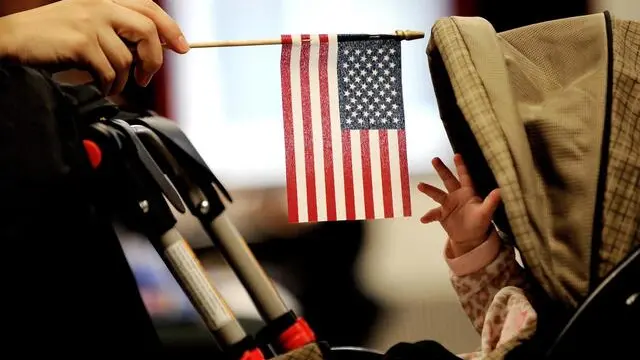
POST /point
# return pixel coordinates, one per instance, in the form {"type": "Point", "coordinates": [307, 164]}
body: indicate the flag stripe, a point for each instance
{"type": "Point", "coordinates": [317, 129]}
{"type": "Point", "coordinates": [285, 66]}
{"type": "Point", "coordinates": [323, 79]}
{"type": "Point", "coordinates": [358, 169]}
{"type": "Point", "coordinates": [298, 132]}
{"type": "Point", "coordinates": [404, 173]}
{"type": "Point", "coordinates": [338, 169]}
{"type": "Point", "coordinates": [394, 165]}
{"type": "Point", "coordinates": [349, 190]}
{"type": "Point", "coordinates": [376, 174]}
{"type": "Point", "coordinates": [387, 185]}
{"type": "Point", "coordinates": [367, 183]}
{"type": "Point", "coordinates": [308, 129]}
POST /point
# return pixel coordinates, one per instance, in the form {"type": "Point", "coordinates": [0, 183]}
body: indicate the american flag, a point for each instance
{"type": "Point", "coordinates": [344, 126]}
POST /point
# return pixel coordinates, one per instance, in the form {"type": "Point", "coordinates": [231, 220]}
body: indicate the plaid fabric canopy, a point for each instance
{"type": "Point", "coordinates": [550, 113]}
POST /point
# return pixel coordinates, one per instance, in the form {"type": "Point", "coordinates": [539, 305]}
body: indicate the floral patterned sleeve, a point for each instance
{"type": "Point", "coordinates": [480, 274]}
{"type": "Point", "coordinates": [492, 290]}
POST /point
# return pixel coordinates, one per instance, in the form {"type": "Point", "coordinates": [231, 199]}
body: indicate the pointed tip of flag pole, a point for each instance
{"type": "Point", "coordinates": [409, 34]}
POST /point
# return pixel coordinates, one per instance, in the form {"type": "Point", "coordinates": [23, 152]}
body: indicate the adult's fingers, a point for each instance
{"type": "Point", "coordinates": [433, 192]}
{"type": "Point", "coordinates": [141, 30]}
{"type": "Point", "coordinates": [491, 202]}
{"type": "Point", "coordinates": [449, 180]}
{"type": "Point", "coordinates": [99, 66]}
{"type": "Point", "coordinates": [167, 27]}
{"type": "Point", "coordinates": [463, 173]}
{"type": "Point", "coordinates": [431, 215]}
{"type": "Point", "coordinates": [119, 56]}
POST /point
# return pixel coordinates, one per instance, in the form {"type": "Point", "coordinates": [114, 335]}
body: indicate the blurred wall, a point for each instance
{"type": "Point", "coordinates": [625, 9]}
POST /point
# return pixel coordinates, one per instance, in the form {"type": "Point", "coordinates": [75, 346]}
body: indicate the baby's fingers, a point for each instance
{"type": "Point", "coordinates": [450, 182]}
{"type": "Point", "coordinates": [491, 202]}
{"type": "Point", "coordinates": [431, 215]}
{"type": "Point", "coordinates": [463, 173]}
{"type": "Point", "coordinates": [433, 192]}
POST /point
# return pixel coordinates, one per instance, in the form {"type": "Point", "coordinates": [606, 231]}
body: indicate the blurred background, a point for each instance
{"type": "Point", "coordinates": [367, 284]}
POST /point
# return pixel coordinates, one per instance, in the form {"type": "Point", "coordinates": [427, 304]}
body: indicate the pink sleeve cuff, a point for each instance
{"type": "Point", "coordinates": [475, 259]}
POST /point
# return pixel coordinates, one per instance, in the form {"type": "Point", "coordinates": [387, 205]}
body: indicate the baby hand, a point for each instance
{"type": "Point", "coordinates": [464, 215]}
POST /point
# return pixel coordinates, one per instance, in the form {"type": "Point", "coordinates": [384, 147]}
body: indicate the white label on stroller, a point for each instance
{"type": "Point", "coordinates": [197, 286]}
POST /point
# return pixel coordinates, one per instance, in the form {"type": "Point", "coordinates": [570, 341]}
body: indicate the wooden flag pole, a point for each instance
{"type": "Point", "coordinates": [400, 34]}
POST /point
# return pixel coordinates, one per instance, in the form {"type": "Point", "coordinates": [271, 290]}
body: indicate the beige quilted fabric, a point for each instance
{"type": "Point", "coordinates": [308, 352]}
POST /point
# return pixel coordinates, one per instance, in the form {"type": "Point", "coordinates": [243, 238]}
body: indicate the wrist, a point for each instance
{"type": "Point", "coordinates": [475, 259]}
{"type": "Point", "coordinates": [459, 249]}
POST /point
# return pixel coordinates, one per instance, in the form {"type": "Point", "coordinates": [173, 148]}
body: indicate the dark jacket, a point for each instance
{"type": "Point", "coordinates": [66, 285]}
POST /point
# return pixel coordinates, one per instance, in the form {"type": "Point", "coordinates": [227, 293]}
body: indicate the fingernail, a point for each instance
{"type": "Point", "coordinates": [183, 44]}
{"type": "Point", "coordinates": [145, 80]}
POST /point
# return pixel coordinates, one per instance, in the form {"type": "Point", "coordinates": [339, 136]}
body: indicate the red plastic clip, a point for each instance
{"type": "Point", "coordinates": [93, 152]}
{"type": "Point", "coordinates": [297, 335]}
{"type": "Point", "coordinates": [254, 354]}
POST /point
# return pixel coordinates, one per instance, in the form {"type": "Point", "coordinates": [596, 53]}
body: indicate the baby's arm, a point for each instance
{"type": "Point", "coordinates": [479, 274]}
{"type": "Point", "coordinates": [480, 264]}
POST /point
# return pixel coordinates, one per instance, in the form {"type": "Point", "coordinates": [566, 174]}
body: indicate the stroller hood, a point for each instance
{"type": "Point", "coordinates": [550, 113]}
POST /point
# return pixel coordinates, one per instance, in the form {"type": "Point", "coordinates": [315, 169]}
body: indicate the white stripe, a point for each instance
{"type": "Point", "coordinates": [298, 131]}
{"type": "Point", "coordinates": [356, 162]}
{"type": "Point", "coordinates": [316, 127]}
{"type": "Point", "coordinates": [376, 174]}
{"type": "Point", "coordinates": [336, 132]}
{"type": "Point", "coordinates": [394, 165]}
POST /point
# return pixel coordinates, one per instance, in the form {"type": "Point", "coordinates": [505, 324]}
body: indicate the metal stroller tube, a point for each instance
{"type": "Point", "coordinates": [188, 271]}
{"type": "Point", "coordinates": [266, 298]}
{"type": "Point", "coordinates": [191, 275]}
{"type": "Point", "coordinates": [285, 330]}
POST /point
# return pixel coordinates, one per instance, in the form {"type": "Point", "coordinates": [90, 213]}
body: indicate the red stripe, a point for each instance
{"type": "Point", "coordinates": [308, 130]}
{"type": "Point", "coordinates": [349, 197]}
{"type": "Point", "coordinates": [330, 189]}
{"type": "Point", "coordinates": [385, 166]}
{"type": "Point", "coordinates": [367, 181]}
{"type": "Point", "coordinates": [287, 112]}
{"type": "Point", "coordinates": [404, 173]}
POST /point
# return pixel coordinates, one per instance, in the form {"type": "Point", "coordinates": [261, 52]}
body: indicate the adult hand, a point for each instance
{"type": "Point", "coordinates": [462, 213]}
{"type": "Point", "coordinates": [94, 35]}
